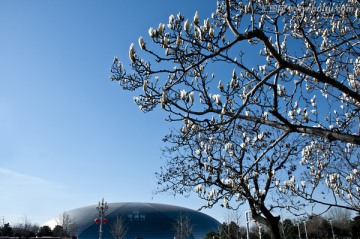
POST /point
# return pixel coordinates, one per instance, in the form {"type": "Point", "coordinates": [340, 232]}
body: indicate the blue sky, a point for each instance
{"type": "Point", "coordinates": [68, 135]}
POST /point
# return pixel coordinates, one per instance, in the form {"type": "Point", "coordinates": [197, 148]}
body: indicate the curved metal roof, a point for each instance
{"type": "Point", "coordinates": [143, 220]}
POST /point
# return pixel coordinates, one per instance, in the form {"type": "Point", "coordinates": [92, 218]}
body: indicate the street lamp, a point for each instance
{"type": "Point", "coordinates": [247, 216]}
{"type": "Point", "coordinates": [259, 230]}
{"type": "Point", "coordinates": [332, 229]}
{"type": "Point", "coordinates": [305, 229]}
{"type": "Point", "coordinates": [101, 208]}
{"type": "Point", "coordinates": [298, 225]}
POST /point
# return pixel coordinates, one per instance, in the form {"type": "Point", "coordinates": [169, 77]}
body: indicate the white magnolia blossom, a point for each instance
{"type": "Point", "coordinates": [132, 53]}
{"type": "Point", "coordinates": [196, 18]}
{"type": "Point", "coordinates": [226, 203]}
{"type": "Point", "coordinates": [206, 24]}
{"type": "Point", "coordinates": [261, 136]}
{"type": "Point", "coordinates": [141, 43]}
{"type": "Point", "coordinates": [145, 83]}
{"type": "Point", "coordinates": [228, 146]}
{"type": "Point", "coordinates": [167, 51]}
{"type": "Point", "coordinates": [161, 28]}
{"type": "Point", "coordinates": [216, 97]}
{"type": "Point", "coordinates": [191, 97]}
{"type": "Point", "coordinates": [220, 86]}
{"type": "Point", "coordinates": [209, 46]}
{"type": "Point", "coordinates": [303, 184]}
{"type": "Point", "coordinates": [178, 41]}
{"type": "Point", "coordinates": [281, 90]}
{"type": "Point", "coordinates": [186, 26]}
{"type": "Point", "coordinates": [198, 188]}
{"type": "Point", "coordinates": [266, 115]}
{"type": "Point", "coordinates": [277, 183]}
{"type": "Point", "coordinates": [152, 32]}
{"type": "Point", "coordinates": [163, 99]}
{"type": "Point", "coordinates": [165, 42]}
{"type": "Point", "coordinates": [211, 32]}
{"type": "Point", "coordinates": [171, 21]}
{"type": "Point", "coordinates": [198, 152]}
{"type": "Point", "coordinates": [183, 94]}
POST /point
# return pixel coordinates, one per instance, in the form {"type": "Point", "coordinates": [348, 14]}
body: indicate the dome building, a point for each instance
{"type": "Point", "coordinates": [141, 220]}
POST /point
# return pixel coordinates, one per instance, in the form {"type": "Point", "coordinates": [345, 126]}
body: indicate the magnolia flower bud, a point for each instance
{"type": "Point", "coordinates": [206, 24]}
{"type": "Point", "coordinates": [178, 40]}
{"type": "Point", "coordinates": [220, 86]}
{"type": "Point", "coordinates": [196, 18]}
{"type": "Point", "coordinates": [186, 25]}
{"type": "Point", "coordinates": [152, 32]}
{"type": "Point", "coordinates": [132, 53]}
{"type": "Point", "coordinates": [180, 16]}
{"type": "Point", "coordinates": [171, 18]}
{"type": "Point", "coordinates": [141, 43]}
{"type": "Point", "coordinates": [191, 97]}
{"type": "Point", "coordinates": [163, 100]}
{"type": "Point", "coordinates": [209, 46]}
{"type": "Point", "coordinates": [217, 99]}
{"type": "Point", "coordinates": [165, 42]}
{"type": "Point", "coordinates": [234, 74]}
{"type": "Point", "coordinates": [233, 83]}
{"type": "Point", "coordinates": [145, 85]}
{"type": "Point", "coordinates": [211, 32]}
{"type": "Point", "coordinates": [226, 203]}
{"type": "Point", "coordinates": [183, 94]}
{"type": "Point", "coordinates": [266, 115]}
{"type": "Point", "coordinates": [161, 28]}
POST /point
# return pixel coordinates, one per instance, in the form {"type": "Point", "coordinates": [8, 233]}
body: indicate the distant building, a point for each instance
{"type": "Point", "coordinates": [142, 220]}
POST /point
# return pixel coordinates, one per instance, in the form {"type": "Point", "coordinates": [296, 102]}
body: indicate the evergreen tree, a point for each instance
{"type": "Point", "coordinates": [44, 231]}
{"type": "Point", "coordinates": [7, 230]}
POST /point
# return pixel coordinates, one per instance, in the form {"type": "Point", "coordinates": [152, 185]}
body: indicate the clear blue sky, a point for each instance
{"type": "Point", "coordinates": [68, 135]}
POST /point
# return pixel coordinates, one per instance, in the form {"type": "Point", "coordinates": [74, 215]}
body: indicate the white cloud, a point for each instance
{"type": "Point", "coordinates": [12, 180]}
{"type": "Point", "coordinates": [27, 195]}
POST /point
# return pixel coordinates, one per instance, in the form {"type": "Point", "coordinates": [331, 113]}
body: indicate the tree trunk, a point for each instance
{"type": "Point", "coordinates": [271, 221]}
{"type": "Point", "coordinates": [274, 227]}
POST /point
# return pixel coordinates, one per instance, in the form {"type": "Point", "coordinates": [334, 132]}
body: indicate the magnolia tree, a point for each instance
{"type": "Point", "coordinates": [264, 100]}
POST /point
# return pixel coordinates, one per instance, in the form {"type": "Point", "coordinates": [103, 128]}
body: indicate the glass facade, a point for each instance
{"type": "Point", "coordinates": [142, 220]}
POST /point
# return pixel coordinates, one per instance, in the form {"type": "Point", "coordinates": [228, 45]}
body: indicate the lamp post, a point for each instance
{"type": "Point", "coordinates": [101, 208]}
{"type": "Point", "coordinates": [298, 225]}
{"type": "Point", "coordinates": [247, 216]}
{"type": "Point", "coordinates": [305, 229]}
{"type": "Point", "coordinates": [259, 230]}
{"type": "Point", "coordinates": [332, 229]}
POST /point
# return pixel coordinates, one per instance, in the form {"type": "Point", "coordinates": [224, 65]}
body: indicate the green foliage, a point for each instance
{"type": "Point", "coordinates": [44, 231]}
{"type": "Point", "coordinates": [231, 231]}
{"type": "Point", "coordinates": [6, 230]}
{"type": "Point", "coordinates": [289, 230]}
{"type": "Point", "coordinates": [355, 227]}
{"type": "Point", "coordinates": [21, 232]}
{"type": "Point", "coordinates": [58, 231]}
{"type": "Point", "coordinates": [212, 235]}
